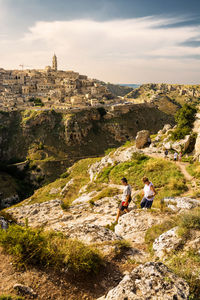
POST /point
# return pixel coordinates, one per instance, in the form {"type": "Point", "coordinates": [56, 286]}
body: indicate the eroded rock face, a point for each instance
{"type": "Point", "coordinates": [166, 242]}
{"type": "Point", "coordinates": [152, 281]}
{"type": "Point", "coordinates": [133, 225]}
{"type": "Point", "coordinates": [182, 145]}
{"type": "Point", "coordinates": [142, 138]}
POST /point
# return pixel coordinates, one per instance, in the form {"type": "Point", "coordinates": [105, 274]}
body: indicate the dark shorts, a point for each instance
{"type": "Point", "coordinates": [175, 159]}
{"type": "Point", "coordinates": [146, 203]}
{"type": "Point", "coordinates": [122, 207]}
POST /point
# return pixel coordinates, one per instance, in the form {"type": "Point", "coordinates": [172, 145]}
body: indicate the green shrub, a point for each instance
{"type": "Point", "coordinates": [109, 150]}
{"type": "Point", "coordinates": [35, 247]}
{"type": "Point", "coordinates": [194, 170]}
{"type": "Point", "coordinates": [64, 175]}
{"type": "Point", "coordinates": [104, 175]}
{"type": "Point", "coordinates": [185, 118]}
{"type": "Point", "coordinates": [190, 220]}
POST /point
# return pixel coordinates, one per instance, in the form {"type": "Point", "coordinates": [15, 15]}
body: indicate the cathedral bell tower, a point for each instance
{"type": "Point", "coordinates": [54, 63]}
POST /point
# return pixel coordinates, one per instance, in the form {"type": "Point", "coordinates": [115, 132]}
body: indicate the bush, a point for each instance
{"type": "Point", "coordinates": [194, 170]}
{"type": "Point", "coordinates": [185, 118]}
{"type": "Point", "coordinates": [35, 247]}
{"type": "Point", "coordinates": [190, 220]}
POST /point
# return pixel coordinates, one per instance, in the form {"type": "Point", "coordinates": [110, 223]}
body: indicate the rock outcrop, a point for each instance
{"type": "Point", "coordinates": [181, 203]}
{"type": "Point", "coordinates": [142, 139]}
{"type": "Point", "coordinates": [133, 226]}
{"type": "Point", "coordinates": [166, 242]}
{"type": "Point", "coordinates": [150, 281]}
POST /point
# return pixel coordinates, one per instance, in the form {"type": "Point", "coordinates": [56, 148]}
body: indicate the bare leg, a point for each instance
{"type": "Point", "coordinates": [126, 210]}
{"type": "Point", "coordinates": [118, 215]}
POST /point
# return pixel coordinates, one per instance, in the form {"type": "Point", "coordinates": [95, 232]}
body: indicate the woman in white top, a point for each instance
{"type": "Point", "coordinates": [148, 194]}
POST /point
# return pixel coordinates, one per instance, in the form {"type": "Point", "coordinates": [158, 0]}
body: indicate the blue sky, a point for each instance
{"type": "Point", "coordinates": [127, 41]}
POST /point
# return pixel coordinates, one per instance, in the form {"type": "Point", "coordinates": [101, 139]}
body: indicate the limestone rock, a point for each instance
{"type": "Point", "coordinates": [120, 155]}
{"type": "Point", "coordinates": [54, 191]}
{"type": "Point", "coordinates": [182, 145]}
{"type": "Point", "coordinates": [181, 203]}
{"type": "Point", "coordinates": [3, 223]}
{"type": "Point", "coordinates": [167, 145]}
{"type": "Point", "coordinates": [84, 198]}
{"type": "Point", "coordinates": [142, 138]}
{"type": "Point", "coordinates": [166, 242]}
{"type": "Point", "coordinates": [133, 225]}
{"type": "Point", "coordinates": [89, 233]}
{"type": "Point", "coordinates": [66, 187]}
{"type": "Point", "coordinates": [197, 147]}
{"type": "Point", "coordinates": [152, 281]}
{"type": "Point", "coordinates": [24, 290]}
{"type": "Point", "coordinates": [166, 128]}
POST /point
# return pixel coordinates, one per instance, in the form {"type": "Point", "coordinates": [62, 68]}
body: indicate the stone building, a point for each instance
{"type": "Point", "coordinates": [54, 63]}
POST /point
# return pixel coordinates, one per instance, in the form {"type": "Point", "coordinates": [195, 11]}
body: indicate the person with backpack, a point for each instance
{"type": "Point", "coordinates": [148, 193]}
{"type": "Point", "coordinates": [126, 198]}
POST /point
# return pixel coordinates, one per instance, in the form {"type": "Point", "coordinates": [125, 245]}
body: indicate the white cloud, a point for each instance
{"type": "Point", "coordinates": [133, 50]}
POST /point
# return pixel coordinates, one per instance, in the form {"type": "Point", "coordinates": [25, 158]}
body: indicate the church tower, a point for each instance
{"type": "Point", "coordinates": [54, 63]}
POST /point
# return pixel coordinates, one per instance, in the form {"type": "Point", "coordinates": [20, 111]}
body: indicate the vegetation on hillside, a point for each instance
{"type": "Point", "coordinates": [166, 176]}
{"type": "Point", "coordinates": [185, 118]}
{"type": "Point", "coordinates": [194, 169]}
{"type": "Point", "coordinates": [35, 247]}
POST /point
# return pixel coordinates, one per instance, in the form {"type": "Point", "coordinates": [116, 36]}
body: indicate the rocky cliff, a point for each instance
{"type": "Point", "coordinates": [53, 140]}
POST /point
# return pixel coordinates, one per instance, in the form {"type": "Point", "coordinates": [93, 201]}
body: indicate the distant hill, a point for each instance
{"type": "Point", "coordinates": [132, 85]}
{"type": "Point", "coordinates": [167, 97]}
{"type": "Point", "coordinates": [118, 89]}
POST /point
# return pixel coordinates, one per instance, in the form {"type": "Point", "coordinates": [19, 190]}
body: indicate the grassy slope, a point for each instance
{"type": "Point", "coordinates": [165, 175]}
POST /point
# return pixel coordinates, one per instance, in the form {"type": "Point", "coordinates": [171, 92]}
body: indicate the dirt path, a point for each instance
{"type": "Point", "coordinates": [184, 171]}
{"type": "Point", "coordinates": [182, 166]}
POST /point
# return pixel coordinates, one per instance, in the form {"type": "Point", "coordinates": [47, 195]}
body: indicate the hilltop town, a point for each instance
{"type": "Point", "coordinates": [49, 88]}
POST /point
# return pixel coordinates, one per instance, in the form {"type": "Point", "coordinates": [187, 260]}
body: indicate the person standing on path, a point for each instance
{"type": "Point", "coordinates": [166, 153]}
{"type": "Point", "coordinates": [126, 198]}
{"type": "Point", "coordinates": [175, 156]}
{"type": "Point", "coordinates": [148, 193]}
{"type": "Point", "coordinates": [180, 156]}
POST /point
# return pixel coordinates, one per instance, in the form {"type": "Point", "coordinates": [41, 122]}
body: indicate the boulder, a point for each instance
{"type": "Point", "coordinates": [166, 242]}
{"type": "Point", "coordinates": [167, 145]}
{"type": "Point", "coordinates": [152, 281]}
{"type": "Point", "coordinates": [142, 138]}
{"type": "Point", "coordinates": [182, 145]}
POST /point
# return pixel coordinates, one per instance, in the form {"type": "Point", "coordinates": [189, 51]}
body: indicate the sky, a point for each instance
{"type": "Point", "coordinates": [118, 41]}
